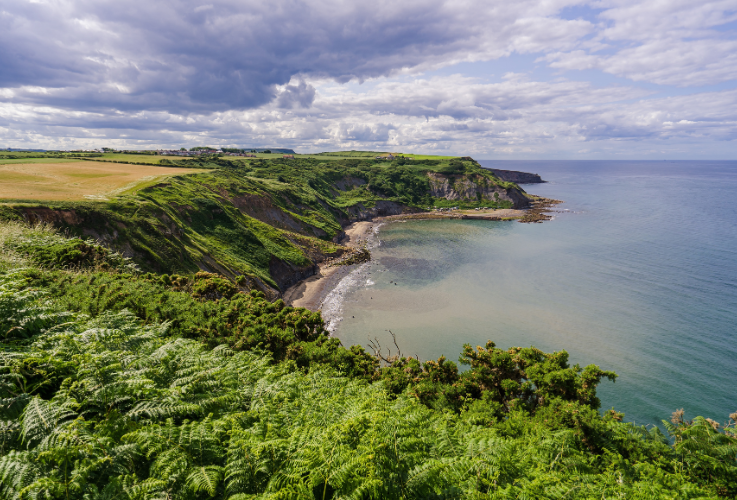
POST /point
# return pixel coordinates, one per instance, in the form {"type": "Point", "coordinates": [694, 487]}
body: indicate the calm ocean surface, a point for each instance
{"type": "Point", "coordinates": [639, 276]}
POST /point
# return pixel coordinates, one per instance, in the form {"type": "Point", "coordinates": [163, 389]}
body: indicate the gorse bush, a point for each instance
{"type": "Point", "coordinates": [499, 381]}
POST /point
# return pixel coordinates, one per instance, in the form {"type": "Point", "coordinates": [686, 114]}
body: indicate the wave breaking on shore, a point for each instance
{"type": "Point", "coordinates": [360, 277]}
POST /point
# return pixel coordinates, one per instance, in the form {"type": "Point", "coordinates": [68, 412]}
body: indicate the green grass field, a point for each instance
{"type": "Point", "coordinates": [152, 159]}
{"type": "Point", "coordinates": [7, 161]}
{"type": "Point", "coordinates": [348, 155]}
{"type": "Point", "coordinates": [23, 157]}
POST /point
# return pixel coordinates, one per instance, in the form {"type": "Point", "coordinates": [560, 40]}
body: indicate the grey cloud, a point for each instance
{"type": "Point", "coordinates": [183, 56]}
{"type": "Point", "coordinates": [535, 116]}
{"type": "Point", "coordinates": [363, 133]}
{"type": "Point", "coordinates": [300, 95]}
{"type": "Point", "coordinates": [242, 72]}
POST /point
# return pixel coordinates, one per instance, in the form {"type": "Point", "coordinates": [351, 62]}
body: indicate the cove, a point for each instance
{"type": "Point", "coordinates": [637, 273]}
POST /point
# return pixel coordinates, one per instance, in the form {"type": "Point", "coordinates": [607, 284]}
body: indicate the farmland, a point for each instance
{"type": "Point", "coordinates": [16, 157]}
{"type": "Point", "coordinates": [65, 180]}
{"type": "Point", "coordinates": [142, 158]}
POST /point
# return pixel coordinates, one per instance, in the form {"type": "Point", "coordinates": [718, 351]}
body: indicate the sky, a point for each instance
{"type": "Point", "coordinates": [523, 79]}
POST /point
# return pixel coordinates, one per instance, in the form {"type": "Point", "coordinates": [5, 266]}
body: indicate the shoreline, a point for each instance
{"type": "Point", "coordinates": [311, 292]}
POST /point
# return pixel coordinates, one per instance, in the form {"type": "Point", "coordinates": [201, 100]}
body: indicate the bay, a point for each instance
{"type": "Point", "coordinates": [636, 273]}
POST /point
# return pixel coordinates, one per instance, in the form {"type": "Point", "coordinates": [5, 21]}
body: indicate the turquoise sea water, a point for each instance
{"type": "Point", "coordinates": [639, 276]}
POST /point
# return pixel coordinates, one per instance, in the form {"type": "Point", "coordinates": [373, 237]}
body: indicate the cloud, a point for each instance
{"type": "Point", "coordinates": [299, 95]}
{"type": "Point", "coordinates": [443, 114]}
{"type": "Point", "coordinates": [343, 74]}
{"type": "Point", "coordinates": [181, 56]}
{"type": "Point", "coordinates": [669, 43]}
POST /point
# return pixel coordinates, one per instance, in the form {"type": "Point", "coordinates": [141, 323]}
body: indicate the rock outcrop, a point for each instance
{"type": "Point", "coordinates": [517, 177]}
{"type": "Point", "coordinates": [464, 187]}
{"type": "Point", "coordinates": [381, 208]}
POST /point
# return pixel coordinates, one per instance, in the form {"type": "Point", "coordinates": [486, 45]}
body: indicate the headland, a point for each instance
{"type": "Point", "coordinates": [265, 221]}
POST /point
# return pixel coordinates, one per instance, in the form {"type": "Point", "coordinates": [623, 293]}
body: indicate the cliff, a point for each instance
{"type": "Point", "coordinates": [475, 187]}
{"type": "Point", "coordinates": [517, 177]}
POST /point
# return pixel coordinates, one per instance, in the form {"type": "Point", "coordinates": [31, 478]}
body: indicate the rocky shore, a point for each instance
{"type": "Point", "coordinates": [311, 292]}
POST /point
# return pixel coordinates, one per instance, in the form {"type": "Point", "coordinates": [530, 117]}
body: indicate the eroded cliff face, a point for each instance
{"type": "Point", "coordinates": [174, 241]}
{"type": "Point", "coordinates": [517, 177]}
{"type": "Point", "coordinates": [381, 208]}
{"type": "Point", "coordinates": [262, 208]}
{"type": "Point", "coordinates": [463, 187]}
{"type": "Point", "coordinates": [286, 274]}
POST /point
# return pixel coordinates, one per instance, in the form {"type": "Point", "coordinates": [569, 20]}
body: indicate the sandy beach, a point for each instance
{"type": "Point", "coordinates": [311, 292]}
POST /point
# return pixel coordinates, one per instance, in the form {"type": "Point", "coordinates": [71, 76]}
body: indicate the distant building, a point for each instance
{"type": "Point", "coordinates": [391, 156]}
{"type": "Point", "coordinates": [288, 157]}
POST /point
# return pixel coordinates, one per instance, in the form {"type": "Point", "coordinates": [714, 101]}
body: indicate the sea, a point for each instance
{"type": "Point", "coordinates": [636, 273]}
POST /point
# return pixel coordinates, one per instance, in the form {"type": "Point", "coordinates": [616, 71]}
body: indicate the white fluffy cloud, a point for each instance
{"type": "Point", "coordinates": [674, 42]}
{"type": "Point", "coordinates": [442, 114]}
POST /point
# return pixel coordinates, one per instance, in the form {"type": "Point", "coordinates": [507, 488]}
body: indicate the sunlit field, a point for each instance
{"type": "Point", "coordinates": [76, 180]}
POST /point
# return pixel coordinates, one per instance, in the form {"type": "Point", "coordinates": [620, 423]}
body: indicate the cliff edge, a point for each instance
{"type": "Point", "coordinates": [517, 177]}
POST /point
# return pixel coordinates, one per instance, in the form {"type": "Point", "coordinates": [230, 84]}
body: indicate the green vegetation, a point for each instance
{"type": "Point", "coordinates": [349, 154]}
{"type": "Point", "coordinates": [10, 157]}
{"type": "Point", "coordinates": [47, 154]}
{"type": "Point", "coordinates": [116, 383]}
{"type": "Point", "coordinates": [269, 220]}
{"type": "Point", "coordinates": [372, 154]}
{"type": "Point", "coordinates": [140, 158]}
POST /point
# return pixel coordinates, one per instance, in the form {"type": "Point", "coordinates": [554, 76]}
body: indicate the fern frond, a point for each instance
{"type": "Point", "coordinates": [40, 418]}
{"type": "Point", "coordinates": [205, 478]}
